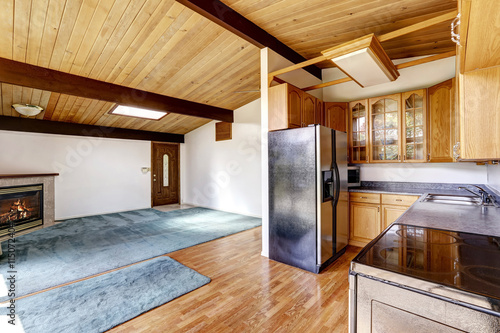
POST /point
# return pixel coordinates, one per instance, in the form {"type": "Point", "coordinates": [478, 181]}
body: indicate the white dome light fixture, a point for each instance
{"type": "Point", "coordinates": [27, 109]}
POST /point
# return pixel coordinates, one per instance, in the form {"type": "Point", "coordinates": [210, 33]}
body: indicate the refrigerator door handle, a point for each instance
{"type": "Point", "coordinates": [336, 184]}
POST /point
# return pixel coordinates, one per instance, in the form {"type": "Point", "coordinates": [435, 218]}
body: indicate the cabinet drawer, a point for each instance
{"type": "Point", "coordinates": [397, 199]}
{"type": "Point", "coordinates": [364, 197]}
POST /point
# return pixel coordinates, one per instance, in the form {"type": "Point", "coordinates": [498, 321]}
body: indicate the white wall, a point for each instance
{"type": "Point", "coordinates": [494, 176]}
{"type": "Point", "coordinates": [224, 175]}
{"type": "Point", "coordinates": [426, 172]}
{"type": "Point", "coordinates": [96, 175]}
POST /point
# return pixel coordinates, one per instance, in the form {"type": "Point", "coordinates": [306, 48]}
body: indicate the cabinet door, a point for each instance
{"type": "Point", "coordinates": [335, 114]}
{"type": "Point", "coordinates": [385, 129]}
{"type": "Point", "coordinates": [391, 214]}
{"type": "Point", "coordinates": [479, 31]}
{"type": "Point", "coordinates": [365, 222]}
{"type": "Point", "coordinates": [441, 122]}
{"type": "Point", "coordinates": [358, 131]}
{"type": "Point", "coordinates": [414, 126]}
{"type": "Point", "coordinates": [295, 97]}
{"type": "Point", "coordinates": [308, 110]}
{"type": "Point", "coordinates": [479, 115]}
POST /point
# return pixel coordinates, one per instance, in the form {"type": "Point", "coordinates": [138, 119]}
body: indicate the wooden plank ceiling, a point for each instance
{"type": "Point", "coordinates": [153, 45]}
{"type": "Point", "coordinates": [163, 47]}
{"type": "Point", "coordinates": [312, 26]}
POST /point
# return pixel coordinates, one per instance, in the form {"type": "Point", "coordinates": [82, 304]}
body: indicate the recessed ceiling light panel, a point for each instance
{"type": "Point", "coordinates": [129, 111]}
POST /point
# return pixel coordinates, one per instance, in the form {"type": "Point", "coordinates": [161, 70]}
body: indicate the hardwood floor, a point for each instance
{"type": "Point", "coordinates": [250, 293]}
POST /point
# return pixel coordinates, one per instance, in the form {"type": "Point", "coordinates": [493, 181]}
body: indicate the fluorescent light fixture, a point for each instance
{"type": "Point", "coordinates": [364, 60]}
{"type": "Point", "coordinates": [138, 113]}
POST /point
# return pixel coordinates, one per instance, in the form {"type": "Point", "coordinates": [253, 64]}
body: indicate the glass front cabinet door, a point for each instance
{"type": "Point", "coordinates": [414, 111]}
{"type": "Point", "coordinates": [385, 129]}
{"type": "Point", "coordinates": [358, 124]}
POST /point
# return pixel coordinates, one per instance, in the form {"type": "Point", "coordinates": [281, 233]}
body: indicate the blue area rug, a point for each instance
{"type": "Point", "coordinates": [102, 302]}
{"type": "Point", "coordinates": [83, 247]}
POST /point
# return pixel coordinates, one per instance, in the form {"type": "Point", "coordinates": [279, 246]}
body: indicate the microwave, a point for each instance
{"type": "Point", "coordinates": [353, 176]}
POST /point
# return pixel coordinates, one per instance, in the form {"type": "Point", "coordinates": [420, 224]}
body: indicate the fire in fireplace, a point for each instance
{"type": "Point", "coordinates": [21, 206]}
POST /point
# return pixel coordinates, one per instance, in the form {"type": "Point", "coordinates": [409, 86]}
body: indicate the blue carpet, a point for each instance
{"type": "Point", "coordinates": [83, 247]}
{"type": "Point", "coordinates": [102, 302]}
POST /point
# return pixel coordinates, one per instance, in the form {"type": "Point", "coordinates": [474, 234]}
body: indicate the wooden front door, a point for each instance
{"type": "Point", "coordinates": [165, 174]}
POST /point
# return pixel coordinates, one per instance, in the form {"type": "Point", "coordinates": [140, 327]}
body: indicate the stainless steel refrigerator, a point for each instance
{"type": "Point", "coordinates": [308, 196]}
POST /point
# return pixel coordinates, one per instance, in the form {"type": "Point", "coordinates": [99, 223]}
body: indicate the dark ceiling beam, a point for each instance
{"type": "Point", "coordinates": [231, 20]}
{"type": "Point", "coordinates": [56, 127]}
{"type": "Point", "coordinates": [26, 75]}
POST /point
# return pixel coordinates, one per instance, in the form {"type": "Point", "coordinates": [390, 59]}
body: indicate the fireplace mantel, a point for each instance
{"type": "Point", "coordinates": [27, 175]}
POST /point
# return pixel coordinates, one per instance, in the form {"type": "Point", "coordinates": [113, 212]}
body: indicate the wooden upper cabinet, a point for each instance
{"type": "Point", "coordinates": [285, 107]}
{"type": "Point", "coordinates": [358, 131]}
{"type": "Point", "coordinates": [308, 109]}
{"type": "Point", "coordinates": [478, 82]}
{"type": "Point", "coordinates": [414, 145]}
{"type": "Point", "coordinates": [295, 100]}
{"type": "Point", "coordinates": [441, 122]}
{"type": "Point", "coordinates": [290, 107]}
{"type": "Point", "coordinates": [385, 129]}
{"type": "Point", "coordinates": [335, 115]}
{"type": "Point", "coordinates": [479, 115]}
{"type": "Point", "coordinates": [479, 34]}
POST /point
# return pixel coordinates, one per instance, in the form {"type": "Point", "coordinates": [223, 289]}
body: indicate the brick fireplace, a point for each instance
{"type": "Point", "coordinates": [28, 200]}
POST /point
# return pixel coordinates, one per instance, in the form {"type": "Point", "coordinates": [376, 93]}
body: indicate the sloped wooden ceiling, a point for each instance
{"type": "Point", "coordinates": [312, 26]}
{"type": "Point", "coordinates": [153, 45]}
{"type": "Point", "coordinates": [163, 47]}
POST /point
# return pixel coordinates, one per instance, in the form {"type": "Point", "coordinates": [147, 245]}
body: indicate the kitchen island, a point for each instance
{"type": "Point", "coordinates": [437, 268]}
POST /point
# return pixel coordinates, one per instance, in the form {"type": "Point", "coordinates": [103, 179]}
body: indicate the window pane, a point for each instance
{"type": "Point", "coordinates": [165, 170]}
{"type": "Point", "coordinates": [378, 121]}
{"type": "Point", "coordinates": [378, 138]}
{"type": "Point", "coordinates": [378, 153]}
{"type": "Point", "coordinates": [391, 152]}
{"type": "Point", "coordinates": [419, 118]}
{"type": "Point", "coordinates": [409, 102]}
{"type": "Point", "coordinates": [362, 139]}
{"type": "Point", "coordinates": [409, 119]}
{"type": "Point", "coordinates": [419, 134]}
{"type": "Point", "coordinates": [378, 107]}
{"type": "Point", "coordinates": [410, 152]}
{"type": "Point", "coordinates": [409, 134]}
{"type": "Point", "coordinates": [391, 105]}
{"type": "Point", "coordinates": [391, 137]}
{"type": "Point", "coordinates": [362, 124]}
{"type": "Point", "coordinates": [418, 101]}
{"type": "Point", "coordinates": [391, 120]}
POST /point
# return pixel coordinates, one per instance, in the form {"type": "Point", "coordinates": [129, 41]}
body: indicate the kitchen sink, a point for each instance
{"type": "Point", "coordinates": [453, 199]}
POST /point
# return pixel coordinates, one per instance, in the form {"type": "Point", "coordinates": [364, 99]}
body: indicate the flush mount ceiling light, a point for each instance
{"type": "Point", "coordinates": [363, 60]}
{"type": "Point", "coordinates": [138, 113]}
{"type": "Point", "coordinates": [27, 109]}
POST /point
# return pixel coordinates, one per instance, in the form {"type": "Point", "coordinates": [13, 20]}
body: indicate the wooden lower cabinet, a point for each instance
{"type": "Point", "coordinates": [364, 223]}
{"type": "Point", "coordinates": [371, 213]}
{"type": "Point", "coordinates": [391, 214]}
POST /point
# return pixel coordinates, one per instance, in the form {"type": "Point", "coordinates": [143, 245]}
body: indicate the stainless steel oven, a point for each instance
{"type": "Point", "coordinates": [353, 176]}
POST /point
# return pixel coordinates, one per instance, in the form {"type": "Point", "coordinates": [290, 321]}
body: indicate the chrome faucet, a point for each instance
{"type": "Point", "coordinates": [486, 198]}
